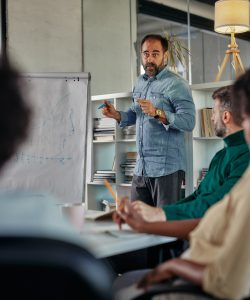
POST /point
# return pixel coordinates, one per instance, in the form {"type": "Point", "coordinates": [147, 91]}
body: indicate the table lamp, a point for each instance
{"type": "Point", "coordinates": [232, 16]}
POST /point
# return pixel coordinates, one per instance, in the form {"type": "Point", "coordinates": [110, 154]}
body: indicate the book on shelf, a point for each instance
{"type": "Point", "coordinates": [96, 129]}
{"type": "Point", "coordinates": [104, 129]}
{"type": "Point", "coordinates": [206, 124]}
{"type": "Point", "coordinates": [104, 121]}
{"type": "Point", "coordinates": [129, 132]}
{"type": "Point", "coordinates": [105, 172]}
{"type": "Point", "coordinates": [128, 166]}
{"type": "Point", "coordinates": [104, 138]}
{"type": "Point", "coordinates": [104, 133]}
{"type": "Point", "coordinates": [100, 175]}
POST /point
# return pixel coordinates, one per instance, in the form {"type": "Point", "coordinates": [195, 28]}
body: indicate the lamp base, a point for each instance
{"type": "Point", "coordinates": [237, 63]}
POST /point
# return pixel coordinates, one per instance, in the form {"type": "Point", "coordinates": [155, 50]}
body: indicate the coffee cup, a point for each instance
{"type": "Point", "coordinates": [74, 212]}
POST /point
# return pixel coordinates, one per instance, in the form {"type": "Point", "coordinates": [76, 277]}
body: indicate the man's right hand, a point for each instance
{"type": "Point", "coordinates": [136, 214]}
{"type": "Point", "coordinates": [110, 112]}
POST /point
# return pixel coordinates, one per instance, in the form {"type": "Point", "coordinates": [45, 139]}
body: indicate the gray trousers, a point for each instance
{"type": "Point", "coordinates": [157, 191]}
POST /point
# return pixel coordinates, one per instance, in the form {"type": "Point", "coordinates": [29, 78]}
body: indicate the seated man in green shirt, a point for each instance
{"type": "Point", "coordinates": [225, 169]}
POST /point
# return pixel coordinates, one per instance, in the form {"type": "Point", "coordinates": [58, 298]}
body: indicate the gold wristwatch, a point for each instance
{"type": "Point", "coordinates": [158, 113]}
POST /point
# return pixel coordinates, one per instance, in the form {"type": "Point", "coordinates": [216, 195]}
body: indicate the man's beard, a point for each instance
{"type": "Point", "coordinates": [152, 69]}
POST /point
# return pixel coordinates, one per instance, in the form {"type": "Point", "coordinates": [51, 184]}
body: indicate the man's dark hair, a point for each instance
{"type": "Point", "coordinates": [158, 37]}
{"type": "Point", "coordinates": [15, 113]}
{"type": "Point", "coordinates": [241, 94]}
{"type": "Point", "coordinates": [225, 96]}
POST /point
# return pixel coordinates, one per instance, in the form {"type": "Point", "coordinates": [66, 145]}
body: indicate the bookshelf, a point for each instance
{"type": "Point", "coordinates": [203, 148]}
{"type": "Point", "coordinates": [107, 154]}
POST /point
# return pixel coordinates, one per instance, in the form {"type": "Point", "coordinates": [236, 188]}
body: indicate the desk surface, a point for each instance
{"type": "Point", "coordinates": [105, 239]}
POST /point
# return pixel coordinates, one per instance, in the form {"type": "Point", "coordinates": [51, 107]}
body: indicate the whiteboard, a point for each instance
{"type": "Point", "coordinates": [53, 157]}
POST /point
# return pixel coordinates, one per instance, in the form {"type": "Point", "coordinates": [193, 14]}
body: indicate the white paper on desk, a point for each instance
{"type": "Point", "coordinates": [110, 227]}
{"type": "Point", "coordinates": [124, 233]}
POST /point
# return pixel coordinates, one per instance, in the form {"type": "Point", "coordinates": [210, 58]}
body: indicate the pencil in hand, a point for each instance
{"type": "Point", "coordinates": [109, 187]}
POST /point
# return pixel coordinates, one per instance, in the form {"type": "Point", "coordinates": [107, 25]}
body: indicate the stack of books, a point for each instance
{"type": "Point", "coordinates": [129, 166]}
{"type": "Point", "coordinates": [104, 129]}
{"type": "Point", "coordinates": [129, 132]}
{"type": "Point", "coordinates": [100, 175]}
{"type": "Point", "coordinates": [207, 127]}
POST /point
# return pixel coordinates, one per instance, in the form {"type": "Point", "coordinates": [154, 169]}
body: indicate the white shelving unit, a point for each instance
{"type": "Point", "coordinates": [101, 155]}
{"type": "Point", "coordinates": [203, 148]}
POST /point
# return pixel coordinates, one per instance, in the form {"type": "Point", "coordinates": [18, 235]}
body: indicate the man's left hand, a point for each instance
{"type": "Point", "coordinates": [147, 107]}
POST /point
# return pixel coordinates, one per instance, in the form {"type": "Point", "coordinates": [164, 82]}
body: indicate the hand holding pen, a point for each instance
{"type": "Point", "coordinates": [109, 111]}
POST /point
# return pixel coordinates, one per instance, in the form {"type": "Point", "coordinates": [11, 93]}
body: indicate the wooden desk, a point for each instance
{"type": "Point", "coordinates": [105, 239]}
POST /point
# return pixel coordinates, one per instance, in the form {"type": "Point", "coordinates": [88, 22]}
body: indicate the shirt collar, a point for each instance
{"type": "Point", "coordinates": [234, 139]}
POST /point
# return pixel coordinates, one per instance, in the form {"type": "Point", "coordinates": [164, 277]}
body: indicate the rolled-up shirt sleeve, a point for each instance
{"type": "Point", "coordinates": [183, 117]}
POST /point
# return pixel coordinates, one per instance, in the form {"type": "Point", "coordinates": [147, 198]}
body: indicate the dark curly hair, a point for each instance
{"type": "Point", "coordinates": [15, 113]}
{"type": "Point", "coordinates": [241, 94]}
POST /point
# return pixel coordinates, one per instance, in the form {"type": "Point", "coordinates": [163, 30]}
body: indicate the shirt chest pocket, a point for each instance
{"type": "Point", "coordinates": [160, 101]}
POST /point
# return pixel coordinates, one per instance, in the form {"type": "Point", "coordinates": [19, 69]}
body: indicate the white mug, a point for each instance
{"type": "Point", "coordinates": [74, 212]}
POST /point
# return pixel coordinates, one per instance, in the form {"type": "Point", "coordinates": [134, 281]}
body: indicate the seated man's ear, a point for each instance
{"type": "Point", "coordinates": [226, 117]}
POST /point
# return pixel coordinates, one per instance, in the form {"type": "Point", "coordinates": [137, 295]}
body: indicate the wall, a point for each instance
{"type": "Point", "coordinates": [94, 36]}
{"type": "Point", "coordinates": [45, 36]}
{"type": "Point", "coordinates": [108, 44]}
{"type": "Point", "coordinates": [207, 48]}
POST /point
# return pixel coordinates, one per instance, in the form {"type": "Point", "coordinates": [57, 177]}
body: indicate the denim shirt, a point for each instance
{"type": "Point", "coordinates": [161, 148]}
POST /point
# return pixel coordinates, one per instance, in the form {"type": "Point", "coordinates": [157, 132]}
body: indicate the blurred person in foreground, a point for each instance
{"type": "Point", "coordinates": [218, 257]}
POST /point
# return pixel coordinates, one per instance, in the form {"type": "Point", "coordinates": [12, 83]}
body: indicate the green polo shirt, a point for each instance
{"type": "Point", "coordinates": [225, 169]}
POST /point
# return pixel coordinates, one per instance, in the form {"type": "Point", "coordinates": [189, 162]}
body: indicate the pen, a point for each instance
{"type": "Point", "coordinates": [102, 106]}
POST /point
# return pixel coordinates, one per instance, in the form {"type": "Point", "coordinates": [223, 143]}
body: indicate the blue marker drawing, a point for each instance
{"type": "Point", "coordinates": [102, 106]}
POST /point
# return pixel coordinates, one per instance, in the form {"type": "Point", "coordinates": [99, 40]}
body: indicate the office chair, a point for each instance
{"type": "Point", "coordinates": [44, 268]}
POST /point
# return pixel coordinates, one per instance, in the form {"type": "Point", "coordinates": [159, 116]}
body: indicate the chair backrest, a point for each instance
{"type": "Point", "coordinates": [42, 268]}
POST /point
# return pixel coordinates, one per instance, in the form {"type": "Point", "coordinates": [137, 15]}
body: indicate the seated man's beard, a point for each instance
{"type": "Point", "coordinates": [220, 131]}
{"type": "Point", "coordinates": [152, 69]}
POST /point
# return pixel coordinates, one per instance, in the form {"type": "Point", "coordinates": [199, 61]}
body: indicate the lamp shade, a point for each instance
{"type": "Point", "coordinates": [232, 16]}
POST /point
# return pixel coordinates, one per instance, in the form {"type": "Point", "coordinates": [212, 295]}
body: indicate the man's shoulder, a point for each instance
{"type": "Point", "coordinates": [173, 82]}
{"type": "Point", "coordinates": [173, 76]}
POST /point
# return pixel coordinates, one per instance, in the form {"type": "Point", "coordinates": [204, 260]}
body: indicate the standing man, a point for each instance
{"type": "Point", "coordinates": [163, 110]}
